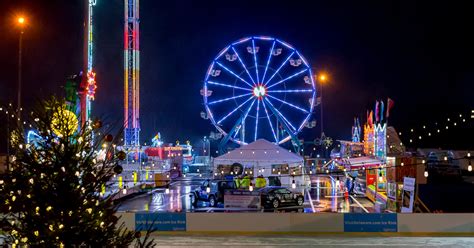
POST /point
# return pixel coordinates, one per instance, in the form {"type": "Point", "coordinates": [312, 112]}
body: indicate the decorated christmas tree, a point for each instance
{"type": "Point", "coordinates": [54, 194]}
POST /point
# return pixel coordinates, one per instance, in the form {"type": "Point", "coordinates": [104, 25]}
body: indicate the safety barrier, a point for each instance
{"type": "Point", "coordinates": [301, 223]}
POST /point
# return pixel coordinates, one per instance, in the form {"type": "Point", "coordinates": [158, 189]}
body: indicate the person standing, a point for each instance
{"type": "Point", "coordinates": [260, 182]}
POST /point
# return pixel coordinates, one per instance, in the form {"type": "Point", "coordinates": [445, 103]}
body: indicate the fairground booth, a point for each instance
{"type": "Point", "coordinates": [381, 167]}
{"type": "Point", "coordinates": [262, 157]}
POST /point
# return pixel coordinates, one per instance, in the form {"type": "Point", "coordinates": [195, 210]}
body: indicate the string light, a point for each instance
{"type": "Point", "coordinates": [469, 167]}
{"type": "Point", "coordinates": [426, 173]}
{"type": "Point", "coordinates": [251, 187]}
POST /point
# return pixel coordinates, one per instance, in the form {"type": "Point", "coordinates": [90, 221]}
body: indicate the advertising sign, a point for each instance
{"type": "Point", "coordinates": [408, 194]}
{"type": "Point", "coordinates": [160, 221]}
{"type": "Point", "coordinates": [241, 199]}
{"type": "Point", "coordinates": [357, 222]}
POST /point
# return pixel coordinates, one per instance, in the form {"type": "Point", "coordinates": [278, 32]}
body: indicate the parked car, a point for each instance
{"type": "Point", "coordinates": [277, 196]}
{"type": "Point", "coordinates": [211, 191]}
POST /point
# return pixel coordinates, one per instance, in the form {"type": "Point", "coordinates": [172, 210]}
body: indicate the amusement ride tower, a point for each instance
{"type": "Point", "coordinates": [88, 84]}
{"type": "Point", "coordinates": [131, 74]}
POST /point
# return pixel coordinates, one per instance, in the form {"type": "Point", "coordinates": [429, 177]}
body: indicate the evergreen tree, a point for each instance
{"type": "Point", "coordinates": [53, 194]}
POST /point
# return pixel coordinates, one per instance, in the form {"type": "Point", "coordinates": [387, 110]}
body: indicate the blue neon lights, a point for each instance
{"type": "Point", "coordinates": [233, 111]}
{"type": "Point", "coordinates": [280, 114]}
{"type": "Point", "coordinates": [289, 104]}
{"type": "Point", "coordinates": [268, 61]}
{"type": "Point", "coordinates": [256, 121]}
{"type": "Point", "coordinates": [228, 85]}
{"type": "Point", "coordinates": [255, 59]}
{"type": "Point", "coordinates": [236, 92]}
{"type": "Point", "coordinates": [243, 65]}
{"type": "Point", "coordinates": [269, 121]}
{"type": "Point", "coordinates": [288, 91]}
{"type": "Point", "coordinates": [228, 98]}
{"type": "Point", "coordinates": [233, 73]}
{"type": "Point", "coordinates": [286, 79]}
{"type": "Point", "coordinates": [279, 68]}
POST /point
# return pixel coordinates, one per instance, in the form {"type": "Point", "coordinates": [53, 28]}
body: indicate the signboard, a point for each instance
{"type": "Point", "coordinates": [408, 194]}
{"type": "Point", "coordinates": [160, 221]}
{"type": "Point", "coordinates": [241, 199]}
{"type": "Point", "coordinates": [356, 222]}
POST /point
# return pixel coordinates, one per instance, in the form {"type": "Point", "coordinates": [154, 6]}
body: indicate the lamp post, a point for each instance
{"type": "Point", "coordinates": [322, 78]}
{"type": "Point", "coordinates": [21, 23]}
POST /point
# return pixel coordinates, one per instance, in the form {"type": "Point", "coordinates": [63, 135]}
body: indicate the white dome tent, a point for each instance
{"type": "Point", "coordinates": [264, 158]}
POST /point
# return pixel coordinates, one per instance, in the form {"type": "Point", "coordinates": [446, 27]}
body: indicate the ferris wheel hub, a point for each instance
{"type": "Point", "coordinates": [259, 91]}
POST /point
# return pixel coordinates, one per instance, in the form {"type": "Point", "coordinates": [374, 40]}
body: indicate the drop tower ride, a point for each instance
{"type": "Point", "coordinates": [131, 74]}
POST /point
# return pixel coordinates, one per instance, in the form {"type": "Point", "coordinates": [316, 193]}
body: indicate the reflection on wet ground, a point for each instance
{"type": "Point", "coordinates": [324, 195]}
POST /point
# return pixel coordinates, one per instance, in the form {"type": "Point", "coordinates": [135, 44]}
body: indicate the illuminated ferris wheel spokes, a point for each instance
{"type": "Point", "coordinates": [245, 87]}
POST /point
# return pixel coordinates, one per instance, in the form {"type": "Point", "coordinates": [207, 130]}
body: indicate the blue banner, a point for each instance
{"type": "Point", "coordinates": [160, 221]}
{"type": "Point", "coordinates": [357, 222]}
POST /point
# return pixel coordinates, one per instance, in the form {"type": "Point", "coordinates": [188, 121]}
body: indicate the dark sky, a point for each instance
{"type": "Point", "coordinates": [420, 54]}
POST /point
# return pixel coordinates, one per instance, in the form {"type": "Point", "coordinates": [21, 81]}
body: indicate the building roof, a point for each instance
{"type": "Point", "coordinates": [260, 151]}
{"type": "Point", "coordinates": [361, 161]}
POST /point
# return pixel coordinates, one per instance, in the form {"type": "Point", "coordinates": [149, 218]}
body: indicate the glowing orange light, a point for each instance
{"type": "Point", "coordinates": [21, 20]}
{"type": "Point", "coordinates": [322, 77]}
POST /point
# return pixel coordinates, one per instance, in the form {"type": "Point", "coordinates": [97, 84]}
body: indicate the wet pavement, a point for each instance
{"type": "Point", "coordinates": [324, 195]}
{"type": "Point", "coordinates": [309, 241]}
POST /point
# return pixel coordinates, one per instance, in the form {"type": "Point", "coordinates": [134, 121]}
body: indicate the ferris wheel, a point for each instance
{"type": "Point", "coordinates": [259, 87]}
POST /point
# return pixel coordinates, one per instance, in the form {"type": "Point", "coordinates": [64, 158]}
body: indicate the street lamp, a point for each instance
{"type": "Point", "coordinates": [322, 78]}
{"type": "Point", "coordinates": [21, 21]}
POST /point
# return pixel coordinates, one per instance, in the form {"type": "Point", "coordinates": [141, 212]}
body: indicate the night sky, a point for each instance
{"type": "Point", "coordinates": [420, 54]}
